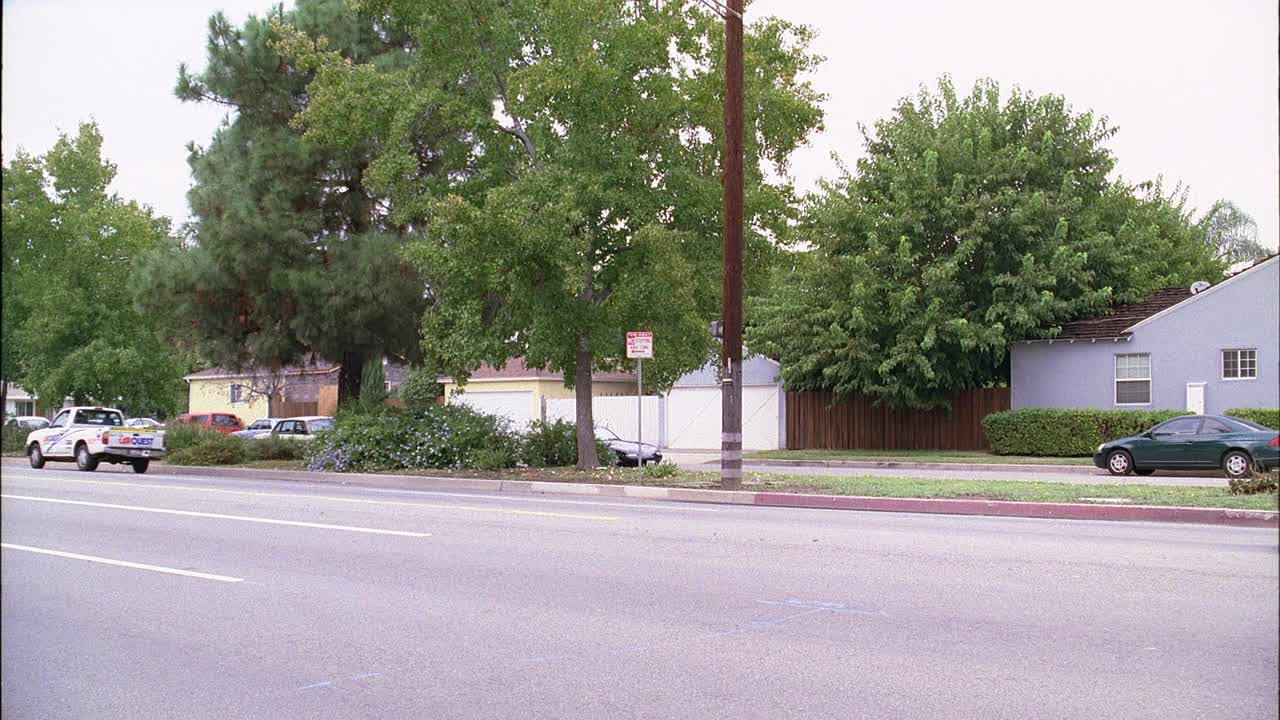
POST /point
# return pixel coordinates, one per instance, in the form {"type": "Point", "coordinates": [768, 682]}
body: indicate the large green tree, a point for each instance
{"type": "Point", "coordinates": [972, 221]}
{"type": "Point", "coordinates": [71, 327]}
{"type": "Point", "coordinates": [290, 256]}
{"type": "Point", "coordinates": [560, 161]}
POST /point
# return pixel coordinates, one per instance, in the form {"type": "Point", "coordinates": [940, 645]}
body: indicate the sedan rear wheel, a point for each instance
{"type": "Point", "coordinates": [1120, 462]}
{"type": "Point", "coordinates": [1237, 464]}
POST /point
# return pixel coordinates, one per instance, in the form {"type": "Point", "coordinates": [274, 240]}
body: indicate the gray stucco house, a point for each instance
{"type": "Point", "coordinates": [1203, 351]}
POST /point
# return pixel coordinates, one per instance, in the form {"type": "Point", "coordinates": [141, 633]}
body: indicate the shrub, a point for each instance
{"type": "Point", "coordinates": [179, 437]}
{"type": "Point", "coordinates": [439, 436]}
{"type": "Point", "coordinates": [213, 448]}
{"type": "Point", "coordinates": [275, 448]}
{"type": "Point", "coordinates": [666, 468]}
{"type": "Point", "coordinates": [13, 438]}
{"type": "Point", "coordinates": [419, 388]}
{"type": "Point", "coordinates": [1255, 483]}
{"type": "Point", "coordinates": [373, 385]}
{"type": "Point", "coordinates": [1065, 431]}
{"type": "Point", "coordinates": [550, 444]}
{"type": "Point", "coordinates": [491, 458]}
{"type": "Point", "coordinates": [1268, 417]}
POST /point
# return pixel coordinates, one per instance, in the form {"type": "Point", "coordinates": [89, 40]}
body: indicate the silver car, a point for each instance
{"type": "Point", "coordinates": [626, 449]}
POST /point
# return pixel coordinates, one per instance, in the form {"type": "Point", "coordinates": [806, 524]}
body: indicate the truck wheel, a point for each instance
{"type": "Point", "coordinates": [140, 466]}
{"type": "Point", "coordinates": [84, 460]}
{"type": "Point", "coordinates": [35, 456]}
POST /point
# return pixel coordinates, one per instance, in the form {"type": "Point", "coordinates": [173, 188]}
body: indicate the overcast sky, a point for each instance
{"type": "Point", "coordinates": [1192, 86]}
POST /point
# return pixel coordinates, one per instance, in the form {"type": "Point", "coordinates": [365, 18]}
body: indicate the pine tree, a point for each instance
{"type": "Point", "coordinates": [290, 257]}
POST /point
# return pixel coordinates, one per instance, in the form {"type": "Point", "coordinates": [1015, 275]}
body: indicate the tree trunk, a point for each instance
{"type": "Point", "coordinates": [587, 459]}
{"type": "Point", "coordinates": [349, 377]}
{"type": "Point", "coordinates": [4, 398]}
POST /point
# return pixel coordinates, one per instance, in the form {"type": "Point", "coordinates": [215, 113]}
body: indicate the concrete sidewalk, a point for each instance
{"type": "Point", "coordinates": [999, 508]}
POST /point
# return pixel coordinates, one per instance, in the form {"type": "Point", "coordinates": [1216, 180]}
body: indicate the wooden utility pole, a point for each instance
{"type": "Point", "coordinates": [731, 381]}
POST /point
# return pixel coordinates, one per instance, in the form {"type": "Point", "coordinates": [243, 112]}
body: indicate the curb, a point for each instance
{"type": "Point", "coordinates": [917, 465]}
{"type": "Point", "coordinates": [935, 506]}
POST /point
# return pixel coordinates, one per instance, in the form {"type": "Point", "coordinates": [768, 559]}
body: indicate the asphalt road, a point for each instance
{"type": "Point", "coordinates": [256, 599]}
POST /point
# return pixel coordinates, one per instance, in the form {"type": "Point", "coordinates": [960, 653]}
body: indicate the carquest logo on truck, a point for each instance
{"type": "Point", "coordinates": [145, 441]}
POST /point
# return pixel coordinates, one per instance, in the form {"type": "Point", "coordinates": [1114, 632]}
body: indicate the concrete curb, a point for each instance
{"type": "Point", "coordinates": [915, 465]}
{"type": "Point", "coordinates": [938, 506]}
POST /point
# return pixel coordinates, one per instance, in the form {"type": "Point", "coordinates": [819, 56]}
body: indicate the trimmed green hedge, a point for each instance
{"type": "Point", "coordinates": [1065, 432]}
{"type": "Point", "coordinates": [1270, 417]}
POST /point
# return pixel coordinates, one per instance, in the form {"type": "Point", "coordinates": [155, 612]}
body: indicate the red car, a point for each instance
{"type": "Point", "coordinates": [222, 422]}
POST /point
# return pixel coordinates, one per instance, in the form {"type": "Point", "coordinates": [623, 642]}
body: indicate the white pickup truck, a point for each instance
{"type": "Point", "coordinates": [90, 435]}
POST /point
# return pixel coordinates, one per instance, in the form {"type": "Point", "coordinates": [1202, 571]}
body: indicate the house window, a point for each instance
{"type": "Point", "coordinates": [1133, 379]}
{"type": "Point", "coordinates": [1239, 364]}
{"type": "Point", "coordinates": [237, 391]}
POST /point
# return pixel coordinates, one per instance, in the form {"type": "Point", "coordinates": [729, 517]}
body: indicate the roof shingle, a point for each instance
{"type": "Point", "coordinates": [1114, 323]}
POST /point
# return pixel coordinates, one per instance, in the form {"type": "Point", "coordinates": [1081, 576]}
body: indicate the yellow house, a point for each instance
{"type": "Point", "coordinates": [247, 393]}
{"type": "Point", "coordinates": [519, 393]}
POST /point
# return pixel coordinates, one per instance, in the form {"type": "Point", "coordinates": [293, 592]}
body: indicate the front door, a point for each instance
{"type": "Point", "coordinates": [1195, 398]}
{"type": "Point", "coordinates": [1172, 444]}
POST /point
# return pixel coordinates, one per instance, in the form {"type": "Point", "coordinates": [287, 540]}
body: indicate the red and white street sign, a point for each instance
{"type": "Point", "coordinates": [640, 344]}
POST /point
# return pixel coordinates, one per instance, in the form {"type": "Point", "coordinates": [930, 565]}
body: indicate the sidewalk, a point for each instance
{"type": "Point", "coordinates": [1061, 511]}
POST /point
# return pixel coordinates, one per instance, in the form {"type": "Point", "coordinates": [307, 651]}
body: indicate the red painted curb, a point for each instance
{"type": "Point", "coordinates": [1001, 508]}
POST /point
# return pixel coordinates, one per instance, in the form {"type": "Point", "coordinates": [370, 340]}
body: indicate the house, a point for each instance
{"type": "Point", "coordinates": [18, 402]}
{"type": "Point", "coordinates": [519, 393]}
{"type": "Point", "coordinates": [256, 392]}
{"type": "Point", "coordinates": [1204, 349]}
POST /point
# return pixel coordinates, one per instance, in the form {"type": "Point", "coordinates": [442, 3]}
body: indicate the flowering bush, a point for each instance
{"type": "Point", "coordinates": [436, 436]}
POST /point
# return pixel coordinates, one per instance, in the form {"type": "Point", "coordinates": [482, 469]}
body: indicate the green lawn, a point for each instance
{"type": "Point", "coordinates": [1014, 490]}
{"type": "Point", "coordinates": [939, 456]}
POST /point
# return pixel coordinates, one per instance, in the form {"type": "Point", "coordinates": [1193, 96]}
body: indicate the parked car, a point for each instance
{"type": "Point", "coordinates": [626, 449]}
{"type": "Point", "coordinates": [222, 422]}
{"type": "Point", "coordinates": [30, 422]}
{"type": "Point", "coordinates": [1193, 442]}
{"type": "Point", "coordinates": [143, 423]}
{"type": "Point", "coordinates": [257, 428]}
{"type": "Point", "coordinates": [300, 428]}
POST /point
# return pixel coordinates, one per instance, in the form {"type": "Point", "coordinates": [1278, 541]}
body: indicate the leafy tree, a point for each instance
{"type": "Point", "coordinates": [70, 325]}
{"type": "Point", "coordinates": [560, 159]}
{"type": "Point", "coordinates": [290, 255]}
{"type": "Point", "coordinates": [971, 222]}
{"type": "Point", "coordinates": [1232, 233]}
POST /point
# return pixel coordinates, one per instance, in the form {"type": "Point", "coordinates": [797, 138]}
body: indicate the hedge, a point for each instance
{"type": "Point", "coordinates": [1268, 417]}
{"type": "Point", "coordinates": [437, 436]}
{"type": "Point", "coordinates": [1065, 432]}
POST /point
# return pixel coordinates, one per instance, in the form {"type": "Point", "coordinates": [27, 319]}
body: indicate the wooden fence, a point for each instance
{"type": "Point", "coordinates": [285, 409]}
{"type": "Point", "coordinates": [814, 423]}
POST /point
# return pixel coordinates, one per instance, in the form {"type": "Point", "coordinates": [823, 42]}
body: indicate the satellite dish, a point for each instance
{"type": "Point", "coordinates": [1199, 286]}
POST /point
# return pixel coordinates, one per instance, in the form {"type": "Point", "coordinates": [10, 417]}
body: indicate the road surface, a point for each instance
{"type": "Point", "coordinates": [137, 597]}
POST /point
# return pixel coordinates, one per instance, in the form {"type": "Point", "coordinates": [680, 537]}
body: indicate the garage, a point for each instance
{"type": "Point", "coordinates": [516, 406]}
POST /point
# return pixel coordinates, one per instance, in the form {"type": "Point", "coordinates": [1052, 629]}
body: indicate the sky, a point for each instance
{"type": "Point", "coordinates": [1192, 86]}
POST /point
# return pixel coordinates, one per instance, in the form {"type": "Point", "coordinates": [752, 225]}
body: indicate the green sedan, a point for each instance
{"type": "Point", "coordinates": [1193, 442]}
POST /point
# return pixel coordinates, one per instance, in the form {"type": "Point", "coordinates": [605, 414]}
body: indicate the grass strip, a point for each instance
{"type": "Point", "coordinates": [939, 456]}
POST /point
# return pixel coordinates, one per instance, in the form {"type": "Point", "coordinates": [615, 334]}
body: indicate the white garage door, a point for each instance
{"type": "Point", "coordinates": [693, 418]}
{"type": "Point", "coordinates": [515, 406]}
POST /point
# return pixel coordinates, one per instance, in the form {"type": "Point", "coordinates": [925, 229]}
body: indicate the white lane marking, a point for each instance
{"type": "Point", "coordinates": [641, 504]}
{"type": "Point", "coordinates": [122, 563]}
{"type": "Point", "coordinates": [219, 516]}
